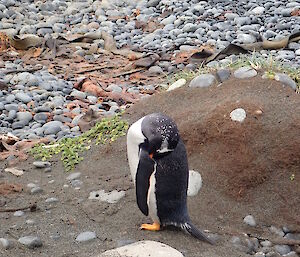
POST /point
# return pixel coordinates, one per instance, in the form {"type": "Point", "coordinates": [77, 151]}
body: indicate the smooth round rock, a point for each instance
{"type": "Point", "coordinates": [195, 183]}
{"type": "Point", "coordinates": [86, 236]}
{"type": "Point", "coordinates": [249, 220]}
{"type": "Point", "coordinates": [36, 190]}
{"type": "Point", "coordinates": [31, 241]}
{"type": "Point", "coordinates": [245, 72]}
{"type": "Point", "coordinates": [143, 249]}
{"type": "Point", "coordinates": [223, 75]}
{"type": "Point", "coordinates": [74, 175]}
{"type": "Point", "coordinates": [282, 249]}
{"type": "Point", "coordinates": [41, 164]}
{"type": "Point", "coordinates": [286, 80]}
{"type": "Point", "coordinates": [204, 80]}
{"type": "Point", "coordinates": [238, 114]}
{"type": "Point", "coordinates": [5, 243]}
{"type": "Point", "coordinates": [179, 83]}
{"type": "Point", "coordinates": [51, 200]}
{"type": "Point", "coordinates": [18, 213]}
{"type": "Point", "coordinates": [23, 97]}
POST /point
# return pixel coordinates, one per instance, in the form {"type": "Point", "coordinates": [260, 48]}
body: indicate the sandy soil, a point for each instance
{"type": "Point", "coordinates": [246, 169]}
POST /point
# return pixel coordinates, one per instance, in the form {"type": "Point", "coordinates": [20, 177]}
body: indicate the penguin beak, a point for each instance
{"type": "Point", "coordinates": [151, 155]}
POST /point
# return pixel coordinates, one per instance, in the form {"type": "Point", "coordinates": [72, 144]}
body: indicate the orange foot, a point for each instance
{"type": "Point", "coordinates": [154, 227]}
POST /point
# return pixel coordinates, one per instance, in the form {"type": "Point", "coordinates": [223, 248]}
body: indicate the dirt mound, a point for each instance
{"type": "Point", "coordinates": [256, 160]}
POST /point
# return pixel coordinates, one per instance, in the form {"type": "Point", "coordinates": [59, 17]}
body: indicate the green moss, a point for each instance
{"type": "Point", "coordinates": [105, 131]}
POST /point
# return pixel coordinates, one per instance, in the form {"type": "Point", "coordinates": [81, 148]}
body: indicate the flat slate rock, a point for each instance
{"type": "Point", "coordinates": [143, 249]}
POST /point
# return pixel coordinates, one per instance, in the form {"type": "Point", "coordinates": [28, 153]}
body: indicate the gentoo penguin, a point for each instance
{"type": "Point", "coordinates": [159, 168]}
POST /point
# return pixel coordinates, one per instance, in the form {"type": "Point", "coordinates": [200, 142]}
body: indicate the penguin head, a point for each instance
{"type": "Point", "coordinates": [155, 134]}
{"type": "Point", "coordinates": [161, 134]}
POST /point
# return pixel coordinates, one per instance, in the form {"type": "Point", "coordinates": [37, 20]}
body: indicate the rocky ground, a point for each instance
{"type": "Point", "coordinates": [84, 60]}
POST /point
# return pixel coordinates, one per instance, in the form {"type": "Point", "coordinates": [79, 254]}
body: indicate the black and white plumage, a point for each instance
{"type": "Point", "coordinates": [159, 168]}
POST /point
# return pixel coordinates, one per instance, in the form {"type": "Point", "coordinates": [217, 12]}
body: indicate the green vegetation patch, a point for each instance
{"type": "Point", "coordinates": [105, 131]}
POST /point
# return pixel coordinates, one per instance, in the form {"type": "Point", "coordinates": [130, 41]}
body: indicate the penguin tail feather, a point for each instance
{"type": "Point", "coordinates": [195, 232]}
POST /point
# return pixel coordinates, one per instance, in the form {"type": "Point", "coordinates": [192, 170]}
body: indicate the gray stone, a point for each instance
{"type": "Point", "coordinates": [155, 70]}
{"type": "Point", "coordinates": [204, 80]}
{"type": "Point", "coordinates": [36, 190]}
{"type": "Point", "coordinates": [245, 72]}
{"type": "Point", "coordinates": [24, 117]}
{"type": "Point", "coordinates": [18, 213]}
{"type": "Point", "coordinates": [40, 116]}
{"type": "Point", "coordinates": [143, 249]}
{"type": "Point", "coordinates": [293, 236]}
{"type": "Point", "coordinates": [30, 222]}
{"type": "Point", "coordinates": [18, 125]}
{"type": "Point", "coordinates": [282, 249]}
{"type": "Point", "coordinates": [41, 164]}
{"type": "Point", "coordinates": [276, 231]}
{"type": "Point", "coordinates": [78, 94]}
{"type": "Point", "coordinates": [249, 220]}
{"type": "Point", "coordinates": [168, 20]}
{"type": "Point", "coordinates": [266, 243]}
{"type": "Point", "coordinates": [239, 115]}
{"type": "Point", "coordinates": [285, 80]}
{"type": "Point", "coordinates": [291, 254]}
{"type": "Point", "coordinates": [31, 241]}
{"type": "Point", "coordinates": [74, 175]}
{"type": "Point", "coordinates": [52, 127]}
{"type": "Point", "coordinates": [10, 98]}
{"type": "Point", "coordinates": [114, 88]}
{"type": "Point", "coordinates": [195, 183]}
{"type": "Point", "coordinates": [86, 236]}
{"type": "Point", "coordinates": [23, 97]}
{"type": "Point", "coordinates": [110, 197]}
{"type": "Point", "coordinates": [223, 75]}
{"type": "Point", "coordinates": [76, 183]}
{"type": "Point", "coordinates": [5, 243]}
{"type": "Point", "coordinates": [246, 39]}
{"type": "Point", "coordinates": [10, 107]}
{"type": "Point", "coordinates": [179, 83]}
{"type": "Point", "coordinates": [258, 10]}
{"type": "Point", "coordinates": [51, 200]}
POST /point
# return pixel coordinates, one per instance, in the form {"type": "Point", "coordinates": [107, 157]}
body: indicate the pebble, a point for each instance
{"type": "Point", "coordinates": [179, 83]}
{"type": "Point", "coordinates": [155, 70]}
{"type": "Point", "coordinates": [276, 231]}
{"type": "Point", "coordinates": [51, 200]}
{"type": "Point", "coordinates": [23, 97]}
{"type": "Point", "coordinates": [238, 114]}
{"type": "Point", "coordinates": [5, 243]}
{"type": "Point", "coordinates": [195, 183]}
{"type": "Point", "coordinates": [19, 213]}
{"type": "Point", "coordinates": [223, 75]}
{"type": "Point", "coordinates": [204, 80]}
{"type": "Point", "coordinates": [143, 249]}
{"type": "Point", "coordinates": [86, 236]}
{"type": "Point", "coordinates": [36, 190]}
{"type": "Point", "coordinates": [282, 249]}
{"type": "Point", "coordinates": [74, 175]}
{"type": "Point", "coordinates": [111, 197]}
{"type": "Point", "coordinates": [285, 80]}
{"type": "Point", "coordinates": [31, 241]}
{"type": "Point", "coordinates": [30, 222]}
{"type": "Point", "coordinates": [245, 72]}
{"type": "Point", "coordinates": [41, 164]}
{"type": "Point", "coordinates": [249, 220]}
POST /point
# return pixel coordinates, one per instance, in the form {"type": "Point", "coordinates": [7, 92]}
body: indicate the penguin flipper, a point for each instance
{"type": "Point", "coordinates": [144, 171]}
{"type": "Point", "coordinates": [195, 232]}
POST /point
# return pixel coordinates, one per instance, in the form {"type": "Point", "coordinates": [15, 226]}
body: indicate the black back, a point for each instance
{"type": "Point", "coordinates": [172, 174]}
